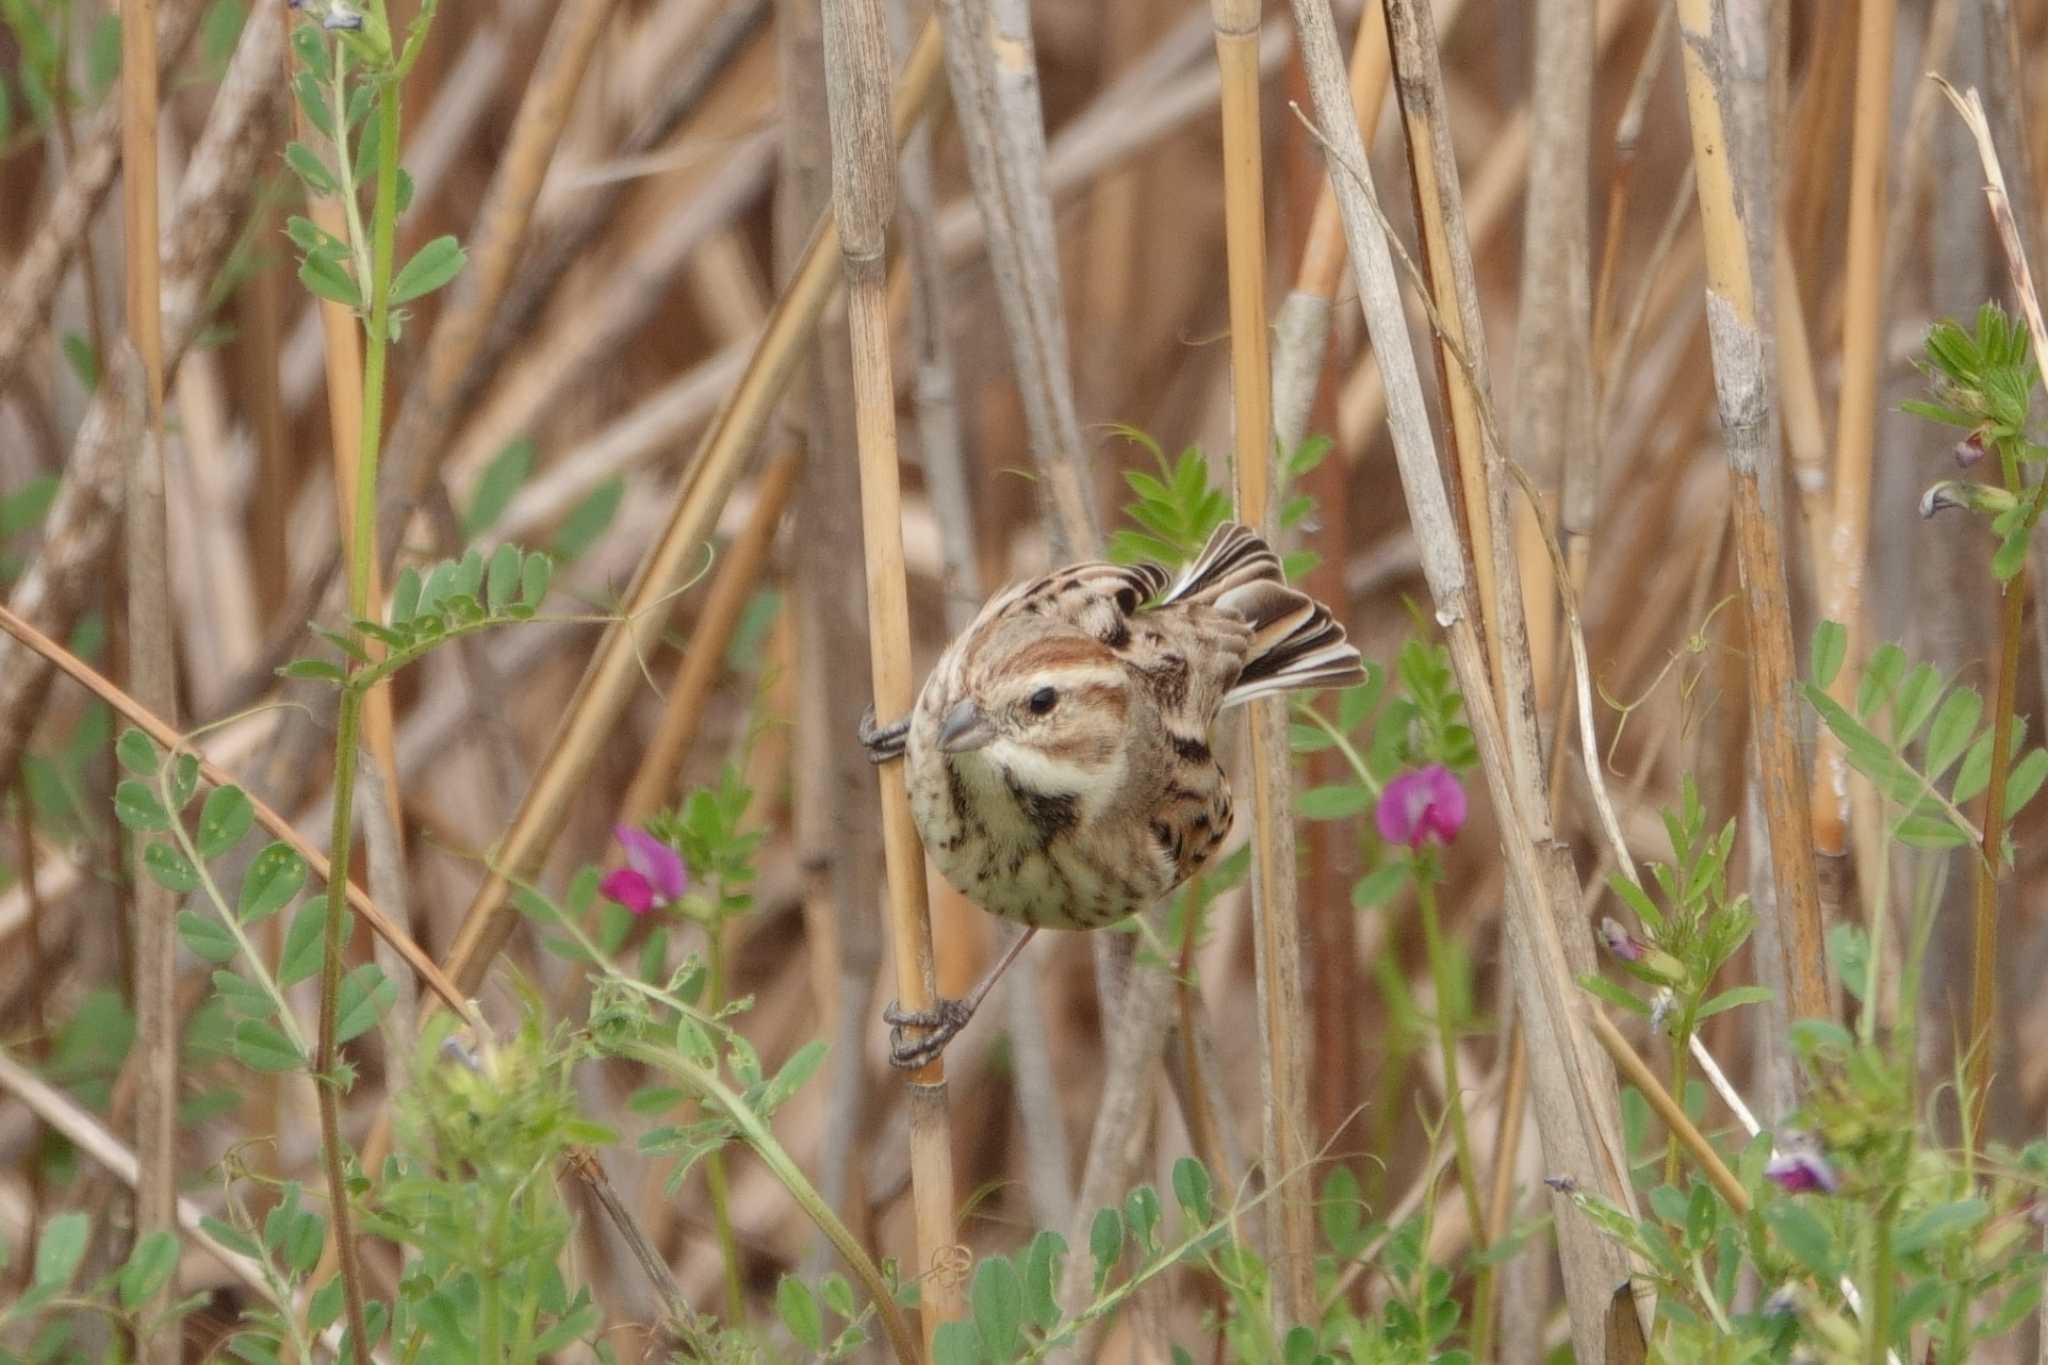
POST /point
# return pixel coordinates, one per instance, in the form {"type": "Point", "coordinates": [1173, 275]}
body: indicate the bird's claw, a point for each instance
{"type": "Point", "coordinates": [882, 742]}
{"type": "Point", "coordinates": [941, 1023]}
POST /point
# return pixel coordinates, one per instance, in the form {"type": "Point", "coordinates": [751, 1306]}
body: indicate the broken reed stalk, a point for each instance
{"type": "Point", "coordinates": [1847, 544]}
{"type": "Point", "coordinates": [1725, 94]}
{"type": "Point", "coordinates": [614, 670]}
{"type": "Point", "coordinates": [1574, 1088]}
{"type": "Point", "coordinates": [152, 660]}
{"type": "Point", "coordinates": [1276, 906]}
{"type": "Point", "coordinates": [704, 661]}
{"type": "Point", "coordinates": [1984, 950]}
{"type": "Point", "coordinates": [864, 196]}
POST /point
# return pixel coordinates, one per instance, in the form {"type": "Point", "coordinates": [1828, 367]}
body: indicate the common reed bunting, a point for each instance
{"type": "Point", "coordinates": [1060, 766]}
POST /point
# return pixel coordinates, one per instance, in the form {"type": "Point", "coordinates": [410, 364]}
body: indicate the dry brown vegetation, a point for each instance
{"type": "Point", "coordinates": [695, 410]}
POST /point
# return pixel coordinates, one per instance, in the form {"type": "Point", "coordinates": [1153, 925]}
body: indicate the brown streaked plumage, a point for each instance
{"type": "Point", "coordinates": [1060, 770]}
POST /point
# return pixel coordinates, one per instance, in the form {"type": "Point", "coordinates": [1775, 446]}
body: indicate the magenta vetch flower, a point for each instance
{"type": "Point", "coordinates": [653, 875]}
{"type": "Point", "coordinates": [1425, 807]}
{"type": "Point", "coordinates": [1803, 1171]}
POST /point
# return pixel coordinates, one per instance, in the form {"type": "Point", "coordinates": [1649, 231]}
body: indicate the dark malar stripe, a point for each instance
{"type": "Point", "coordinates": [1050, 816]}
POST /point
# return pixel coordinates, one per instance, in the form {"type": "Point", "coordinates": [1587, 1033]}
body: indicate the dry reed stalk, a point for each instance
{"type": "Point", "coordinates": [419, 432]}
{"type": "Point", "coordinates": [1276, 905]}
{"type": "Point", "coordinates": [1301, 329]}
{"type": "Point", "coordinates": [994, 78]}
{"type": "Point", "coordinates": [152, 655]}
{"type": "Point", "coordinates": [935, 393]}
{"type": "Point", "coordinates": [703, 662]}
{"type": "Point", "coordinates": [1841, 573]}
{"type": "Point", "coordinates": [707, 480]}
{"type": "Point", "coordinates": [1806, 436]}
{"type": "Point", "coordinates": [1575, 1094]}
{"type": "Point", "coordinates": [1724, 43]}
{"type": "Point", "coordinates": [33, 280]}
{"type": "Point", "coordinates": [836, 807]}
{"type": "Point", "coordinates": [1553, 428]}
{"type": "Point", "coordinates": [169, 738]}
{"type": "Point", "coordinates": [863, 196]}
{"type": "Point", "coordinates": [81, 521]}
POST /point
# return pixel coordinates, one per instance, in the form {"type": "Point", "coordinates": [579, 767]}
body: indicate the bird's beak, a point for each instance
{"type": "Point", "coordinates": [965, 728]}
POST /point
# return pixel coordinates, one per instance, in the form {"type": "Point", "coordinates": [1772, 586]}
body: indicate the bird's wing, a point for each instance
{"type": "Point", "coordinates": [1098, 597]}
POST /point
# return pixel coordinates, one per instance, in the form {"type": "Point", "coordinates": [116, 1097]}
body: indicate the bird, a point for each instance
{"type": "Point", "coordinates": [1060, 768]}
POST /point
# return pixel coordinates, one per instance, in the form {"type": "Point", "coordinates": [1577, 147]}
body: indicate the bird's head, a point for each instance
{"type": "Point", "coordinates": [1045, 704]}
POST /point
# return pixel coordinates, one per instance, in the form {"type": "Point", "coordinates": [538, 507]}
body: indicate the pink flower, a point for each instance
{"type": "Point", "coordinates": [1426, 807]}
{"type": "Point", "coordinates": [1803, 1171]}
{"type": "Point", "coordinates": [653, 875]}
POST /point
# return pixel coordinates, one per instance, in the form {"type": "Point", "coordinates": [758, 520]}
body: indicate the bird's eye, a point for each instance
{"type": "Point", "coordinates": [1042, 700]}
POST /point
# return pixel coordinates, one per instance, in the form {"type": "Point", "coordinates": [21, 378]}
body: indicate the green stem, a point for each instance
{"type": "Point", "coordinates": [714, 1163]}
{"type": "Point", "coordinates": [1983, 974]}
{"type": "Point", "coordinates": [1877, 1326]}
{"type": "Point", "coordinates": [349, 723]}
{"type": "Point", "coordinates": [490, 1311]}
{"type": "Point", "coordinates": [1440, 971]}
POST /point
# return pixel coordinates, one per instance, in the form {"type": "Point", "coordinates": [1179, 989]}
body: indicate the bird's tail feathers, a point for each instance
{"type": "Point", "coordinates": [1296, 642]}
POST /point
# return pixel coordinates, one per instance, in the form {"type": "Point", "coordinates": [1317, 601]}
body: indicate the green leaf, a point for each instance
{"type": "Point", "coordinates": [83, 360]}
{"type": "Point", "coordinates": [1824, 658]}
{"type": "Point", "coordinates": [432, 266]}
{"type": "Point", "coordinates": [1954, 723]}
{"type": "Point", "coordinates": [137, 808]}
{"type": "Point", "coordinates": [589, 519]}
{"type": "Point", "coordinates": [258, 1046]}
{"type": "Point", "coordinates": [366, 993]}
{"type": "Point", "coordinates": [327, 278]}
{"type": "Point", "coordinates": [169, 868]}
{"type": "Point", "coordinates": [1732, 998]}
{"type": "Point", "coordinates": [1881, 674]}
{"type": "Point", "coordinates": [24, 508]}
{"type": "Point", "coordinates": [497, 486]}
{"type": "Point", "coordinates": [231, 1237]}
{"type": "Point", "coordinates": [405, 596]}
{"type": "Point", "coordinates": [223, 820]}
{"type": "Point", "coordinates": [1333, 802]}
{"type": "Point", "coordinates": [1942, 1221]}
{"type": "Point", "coordinates": [136, 752]}
{"type": "Point", "coordinates": [149, 1268]}
{"type": "Point", "coordinates": [997, 1297]}
{"type": "Point", "coordinates": [1805, 1238]}
{"type": "Point", "coordinates": [1105, 1242]}
{"type": "Point", "coordinates": [1192, 1189]}
{"type": "Point", "coordinates": [578, 1325]}
{"type": "Point", "coordinates": [502, 580]}
{"type": "Point", "coordinates": [798, 1309]}
{"type": "Point", "coordinates": [1638, 900]}
{"type": "Point", "coordinates": [536, 571]}
{"type": "Point", "coordinates": [1042, 1277]}
{"type": "Point", "coordinates": [60, 1249]}
{"type": "Point", "coordinates": [205, 936]}
{"type": "Point", "coordinates": [242, 997]}
{"type": "Point", "coordinates": [1613, 993]}
{"type": "Point", "coordinates": [302, 944]}
{"type": "Point", "coordinates": [307, 165]}
{"type": "Point", "coordinates": [2025, 780]}
{"type": "Point", "coordinates": [314, 670]}
{"type": "Point", "coordinates": [184, 780]}
{"type": "Point", "coordinates": [801, 1066]}
{"type": "Point", "coordinates": [274, 877]}
{"type": "Point", "coordinates": [1380, 885]}
{"type": "Point", "coordinates": [956, 1343]}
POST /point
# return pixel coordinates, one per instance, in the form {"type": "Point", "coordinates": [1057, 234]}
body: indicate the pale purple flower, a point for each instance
{"type": "Point", "coordinates": [654, 874]}
{"type": "Point", "coordinates": [1620, 942]}
{"type": "Point", "coordinates": [1425, 807]}
{"type": "Point", "coordinates": [1803, 1170]}
{"type": "Point", "coordinates": [1970, 449]}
